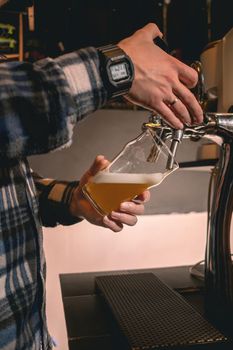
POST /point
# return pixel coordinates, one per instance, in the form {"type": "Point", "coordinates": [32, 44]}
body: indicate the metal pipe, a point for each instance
{"type": "Point", "coordinates": [218, 264]}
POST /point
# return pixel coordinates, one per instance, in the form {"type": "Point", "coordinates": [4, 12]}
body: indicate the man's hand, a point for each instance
{"type": "Point", "coordinates": [127, 213]}
{"type": "Point", "coordinates": [161, 82]}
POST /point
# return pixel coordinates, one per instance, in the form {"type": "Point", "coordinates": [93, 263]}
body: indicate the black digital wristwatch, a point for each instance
{"type": "Point", "coordinates": [116, 69]}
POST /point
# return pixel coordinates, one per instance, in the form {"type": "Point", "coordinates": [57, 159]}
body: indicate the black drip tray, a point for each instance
{"type": "Point", "coordinates": [151, 315]}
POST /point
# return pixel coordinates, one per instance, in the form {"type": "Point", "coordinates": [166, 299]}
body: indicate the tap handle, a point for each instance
{"type": "Point", "coordinates": [199, 89]}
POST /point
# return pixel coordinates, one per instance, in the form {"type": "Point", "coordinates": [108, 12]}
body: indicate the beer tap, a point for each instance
{"type": "Point", "coordinates": [218, 274]}
{"type": "Point", "coordinates": [164, 132]}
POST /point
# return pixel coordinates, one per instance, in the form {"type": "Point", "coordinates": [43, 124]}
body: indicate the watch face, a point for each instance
{"type": "Point", "coordinates": [119, 71]}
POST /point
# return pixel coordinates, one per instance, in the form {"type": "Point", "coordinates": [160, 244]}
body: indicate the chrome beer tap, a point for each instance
{"type": "Point", "coordinates": [218, 274]}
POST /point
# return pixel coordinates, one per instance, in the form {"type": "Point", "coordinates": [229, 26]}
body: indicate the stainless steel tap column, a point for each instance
{"type": "Point", "coordinates": [218, 262]}
{"type": "Point", "coordinates": [218, 265]}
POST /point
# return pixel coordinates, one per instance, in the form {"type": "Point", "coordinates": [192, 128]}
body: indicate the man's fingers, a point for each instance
{"type": "Point", "coordinates": [169, 115]}
{"type": "Point", "coordinates": [187, 75]}
{"type": "Point", "coordinates": [143, 197]}
{"type": "Point", "coordinates": [190, 101]}
{"type": "Point", "coordinates": [113, 225]}
{"type": "Point", "coordinates": [124, 218]}
{"type": "Point", "coordinates": [127, 214]}
{"type": "Point", "coordinates": [132, 208]}
{"type": "Point", "coordinates": [180, 110]}
{"type": "Point", "coordinates": [99, 164]}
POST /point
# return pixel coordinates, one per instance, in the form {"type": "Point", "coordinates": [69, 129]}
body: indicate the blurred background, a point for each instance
{"type": "Point", "coordinates": [188, 24]}
{"type": "Point", "coordinates": [173, 230]}
{"type": "Point", "coordinates": [65, 25]}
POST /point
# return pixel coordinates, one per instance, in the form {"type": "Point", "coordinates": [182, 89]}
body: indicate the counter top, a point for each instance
{"type": "Point", "coordinates": [88, 324]}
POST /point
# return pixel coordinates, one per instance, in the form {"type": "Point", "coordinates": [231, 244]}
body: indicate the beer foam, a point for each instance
{"type": "Point", "coordinates": [127, 178]}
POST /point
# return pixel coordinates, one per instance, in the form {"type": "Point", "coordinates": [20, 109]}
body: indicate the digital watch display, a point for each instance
{"type": "Point", "coordinates": [116, 70]}
{"type": "Point", "coordinates": [119, 71]}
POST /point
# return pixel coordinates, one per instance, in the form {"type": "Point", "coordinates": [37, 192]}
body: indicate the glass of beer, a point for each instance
{"type": "Point", "coordinates": [142, 164]}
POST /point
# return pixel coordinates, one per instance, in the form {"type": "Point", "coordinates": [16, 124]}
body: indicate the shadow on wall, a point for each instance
{"type": "Point", "coordinates": [106, 132]}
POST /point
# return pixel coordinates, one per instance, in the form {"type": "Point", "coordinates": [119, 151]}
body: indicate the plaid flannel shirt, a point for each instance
{"type": "Point", "coordinates": [39, 105]}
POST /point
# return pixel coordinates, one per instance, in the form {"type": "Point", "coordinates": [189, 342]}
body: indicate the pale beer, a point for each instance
{"type": "Point", "coordinates": [107, 190]}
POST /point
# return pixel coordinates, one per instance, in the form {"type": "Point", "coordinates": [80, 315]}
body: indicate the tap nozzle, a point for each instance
{"type": "Point", "coordinates": [163, 132]}
{"type": "Point", "coordinates": [177, 136]}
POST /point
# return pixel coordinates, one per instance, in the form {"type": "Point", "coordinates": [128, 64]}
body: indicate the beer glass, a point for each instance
{"type": "Point", "coordinates": [142, 164]}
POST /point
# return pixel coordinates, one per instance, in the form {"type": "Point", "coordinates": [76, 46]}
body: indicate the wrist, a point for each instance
{"type": "Point", "coordinates": [72, 204]}
{"type": "Point", "coordinates": [116, 70]}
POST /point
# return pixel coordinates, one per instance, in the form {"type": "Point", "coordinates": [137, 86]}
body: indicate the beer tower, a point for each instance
{"type": "Point", "coordinates": [218, 275]}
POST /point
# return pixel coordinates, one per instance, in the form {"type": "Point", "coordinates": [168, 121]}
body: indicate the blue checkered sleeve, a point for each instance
{"type": "Point", "coordinates": [41, 102]}
{"type": "Point", "coordinates": [39, 106]}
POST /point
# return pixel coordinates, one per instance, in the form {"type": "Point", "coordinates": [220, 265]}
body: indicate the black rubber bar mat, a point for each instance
{"type": "Point", "coordinates": [151, 315]}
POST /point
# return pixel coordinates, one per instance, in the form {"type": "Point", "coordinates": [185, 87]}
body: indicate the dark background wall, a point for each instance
{"type": "Point", "coordinates": [79, 23]}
